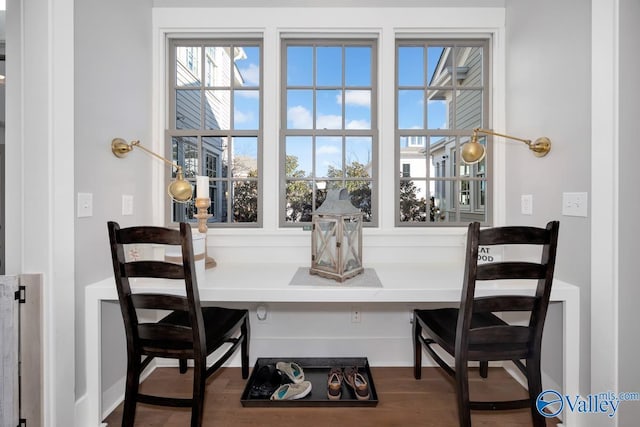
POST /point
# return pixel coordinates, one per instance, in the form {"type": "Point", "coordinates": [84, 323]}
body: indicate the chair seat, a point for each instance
{"type": "Point", "coordinates": [441, 325]}
{"type": "Point", "coordinates": [218, 323]}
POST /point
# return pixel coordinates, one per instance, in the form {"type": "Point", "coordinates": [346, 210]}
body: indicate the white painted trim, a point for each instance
{"type": "Point", "coordinates": [114, 395]}
{"type": "Point", "coordinates": [60, 313]}
{"type": "Point", "coordinates": [604, 199]}
{"type": "Point", "coordinates": [40, 147]}
{"type": "Point", "coordinates": [498, 119]}
{"type": "Point", "coordinates": [14, 131]}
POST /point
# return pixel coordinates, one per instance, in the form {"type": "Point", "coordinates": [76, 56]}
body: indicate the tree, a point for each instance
{"type": "Point", "coordinates": [360, 191]}
{"type": "Point", "coordinates": [245, 201]}
{"type": "Point", "coordinates": [411, 209]}
{"type": "Point", "coordinates": [298, 192]}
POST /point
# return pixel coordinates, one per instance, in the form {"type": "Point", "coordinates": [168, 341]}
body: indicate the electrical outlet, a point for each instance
{"type": "Point", "coordinates": [85, 205]}
{"type": "Point", "coordinates": [127, 204]}
{"type": "Point", "coordinates": [526, 204]}
{"type": "Point", "coordinates": [356, 315]}
{"type": "Point", "coordinates": [262, 313]}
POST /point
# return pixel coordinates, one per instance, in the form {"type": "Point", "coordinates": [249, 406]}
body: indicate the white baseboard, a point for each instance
{"type": "Point", "coordinates": [111, 397]}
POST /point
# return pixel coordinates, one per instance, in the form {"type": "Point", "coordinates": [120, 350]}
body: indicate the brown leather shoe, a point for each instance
{"type": "Point", "coordinates": [356, 381]}
{"type": "Point", "coordinates": [334, 384]}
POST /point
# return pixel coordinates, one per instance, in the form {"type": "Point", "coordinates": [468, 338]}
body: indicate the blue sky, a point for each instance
{"type": "Point", "coordinates": [330, 98]}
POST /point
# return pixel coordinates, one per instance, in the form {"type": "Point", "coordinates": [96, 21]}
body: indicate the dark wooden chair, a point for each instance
{"type": "Point", "coordinates": [189, 331]}
{"type": "Point", "coordinates": [474, 333]}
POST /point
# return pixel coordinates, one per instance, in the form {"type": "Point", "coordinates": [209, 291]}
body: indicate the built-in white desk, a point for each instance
{"type": "Point", "coordinates": [255, 282]}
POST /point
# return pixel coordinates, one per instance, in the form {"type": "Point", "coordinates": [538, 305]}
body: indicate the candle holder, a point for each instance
{"type": "Point", "coordinates": [202, 206]}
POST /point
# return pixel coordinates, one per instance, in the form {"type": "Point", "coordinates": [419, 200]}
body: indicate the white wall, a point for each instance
{"type": "Point", "coordinates": [629, 177]}
{"type": "Point", "coordinates": [112, 99]}
{"type": "Point", "coordinates": [547, 94]}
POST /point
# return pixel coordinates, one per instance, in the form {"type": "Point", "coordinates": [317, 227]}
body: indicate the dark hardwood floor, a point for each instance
{"type": "Point", "coordinates": [403, 401]}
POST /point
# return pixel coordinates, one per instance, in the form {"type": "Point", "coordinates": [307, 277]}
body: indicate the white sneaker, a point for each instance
{"type": "Point", "coordinates": [292, 391]}
{"type": "Point", "coordinates": [291, 370]}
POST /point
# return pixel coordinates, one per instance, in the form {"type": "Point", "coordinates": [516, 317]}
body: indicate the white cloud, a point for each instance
{"type": "Point", "coordinates": [299, 117]}
{"type": "Point", "coordinates": [328, 149]}
{"type": "Point", "coordinates": [240, 117]}
{"type": "Point", "coordinates": [251, 94]}
{"type": "Point", "coordinates": [251, 74]}
{"type": "Point", "coordinates": [329, 121]}
{"type": "Point", "coordinates": [360, 98]}
{"type": "Point", "coordinates": [358, 124]}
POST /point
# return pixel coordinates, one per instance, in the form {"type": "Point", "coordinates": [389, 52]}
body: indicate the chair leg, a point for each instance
{"type": "Point", "coordinates": [417, 348]}
{"type": "Point", "coordinates": [183, 365]}
{"type": "Point", "coordinates": [245, 330]}
{"type": "Point", "coordinates": [462, 392]}
{"type": "Point", "coordinates": [534, 382]}
{"type": "Point", "coordinates": [484, 369]}
{"type": "Point", "coordinates": [199, 385]}
{"type": "Point", "coordinates": [131, 391]}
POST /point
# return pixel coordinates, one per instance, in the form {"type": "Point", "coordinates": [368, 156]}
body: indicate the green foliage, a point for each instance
{"type": "Point", "coordinates": [359, 190]}
{"type": "Point", "coordinates": [245, 200]}
{"type": "Point", "coordinates": [298, 192]}
{"type": "Point", "coordinates": [411, 209]}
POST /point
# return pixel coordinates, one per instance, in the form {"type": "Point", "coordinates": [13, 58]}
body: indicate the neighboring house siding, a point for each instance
{"type": "Point", "coordinates": [470, 101]}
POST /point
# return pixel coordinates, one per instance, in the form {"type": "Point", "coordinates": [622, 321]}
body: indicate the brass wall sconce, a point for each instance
{"type": "Point", "coordinates": [473, 152]}
{"type": "Point", "coordinates": [179, 190]}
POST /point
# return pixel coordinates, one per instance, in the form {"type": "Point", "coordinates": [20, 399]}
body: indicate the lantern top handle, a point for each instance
{"type": "Point", "coordinates": [338, 202]}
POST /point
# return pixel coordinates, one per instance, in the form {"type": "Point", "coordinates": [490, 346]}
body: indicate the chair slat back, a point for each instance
{"type": "Point", "coordinates": [500, 303]}
{"type": "Point", "coordinates": [510, 270]}
{"type": "Point", "coordinates": [156, 269]}
{"type": "Point", "coordinates": [159, 332]}
{"type": "Point", "coordinates": [537, 304]}
{"type": "Point", "coordinates": [499, 334]}
{"type": "Point", "coordinates": [160, 302]}
{"type": "Point", "coordinates": [514, 235]}
{"type": "Point", "coordinates": [138, 332]}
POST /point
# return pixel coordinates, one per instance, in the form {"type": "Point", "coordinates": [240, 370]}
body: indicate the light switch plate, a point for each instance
{"type": "Point", "coordinates": [85, 205]}
{"type": "Point", "coordinates": [575, 204]}
{"type": "Point", "coordinates": [127, 204]}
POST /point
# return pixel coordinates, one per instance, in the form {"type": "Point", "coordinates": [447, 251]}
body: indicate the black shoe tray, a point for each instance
{"type": "Point", "coordinates": [316, 370]}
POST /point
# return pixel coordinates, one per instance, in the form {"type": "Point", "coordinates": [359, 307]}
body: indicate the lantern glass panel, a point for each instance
{"type": "Point", "coordinates": [326, 243]}
{"type": "Point", "coordinates": [350, 245]}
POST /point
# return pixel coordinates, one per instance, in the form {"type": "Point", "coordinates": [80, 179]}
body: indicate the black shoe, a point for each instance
{"type": "Point", "coordinates": [267, 380]}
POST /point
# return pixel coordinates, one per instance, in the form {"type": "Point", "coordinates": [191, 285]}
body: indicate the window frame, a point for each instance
{"type": "Point", "coordinates": [324, 40]}
{"type": "Point", "coordinates": [171, 130]}
{"type": "Point", "coordinates": [452, 183]}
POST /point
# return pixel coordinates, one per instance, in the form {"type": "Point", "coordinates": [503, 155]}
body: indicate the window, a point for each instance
{"type": "Point", "coordinates": [441, 96]}
{"type": "Point", "coordinates": [329, 126]}
{"type": "Point", "coordinates": [215, 125]}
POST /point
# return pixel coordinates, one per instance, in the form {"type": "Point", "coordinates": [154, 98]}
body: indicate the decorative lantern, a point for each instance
{"type": "Point", "coordinates": [336, 238]}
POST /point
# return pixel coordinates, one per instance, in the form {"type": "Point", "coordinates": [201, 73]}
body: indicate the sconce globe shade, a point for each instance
{"type": "Point", "coordinates": [472, 152]}
{"type": "Point", "coordinates": [180, 190]}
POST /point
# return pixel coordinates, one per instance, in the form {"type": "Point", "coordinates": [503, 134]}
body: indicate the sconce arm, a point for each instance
{"type": "Point", "coordinates": [157, 156]}
{"type": "Point", "coordinates": [476, 131]}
